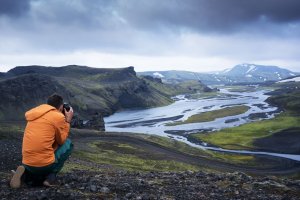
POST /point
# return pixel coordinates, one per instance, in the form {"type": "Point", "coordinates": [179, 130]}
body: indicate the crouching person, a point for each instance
{"type": "Point", "coordinates": [45, 143]}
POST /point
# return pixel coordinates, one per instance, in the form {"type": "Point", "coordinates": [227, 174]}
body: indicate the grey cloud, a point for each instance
{"type": "Point", "coordinates": [139, 25]}
{"type": "Point", "coordinates": [211, 15]}
{"type": "Point", "coordinates": [14, 8]}
{"type": "Point", "coordinates": [220, 16]}
{"type": "Point", "coordinates": [91, 14]}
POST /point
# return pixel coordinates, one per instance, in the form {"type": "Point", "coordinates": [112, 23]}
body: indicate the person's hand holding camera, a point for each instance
{"type": "Point", "coordinates": [69, 114]}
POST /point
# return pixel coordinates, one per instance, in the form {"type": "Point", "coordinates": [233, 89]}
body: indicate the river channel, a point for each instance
{"type": "Point", "coordinates": [153, 120]}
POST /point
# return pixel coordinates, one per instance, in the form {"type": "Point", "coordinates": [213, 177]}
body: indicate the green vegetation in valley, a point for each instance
{"type": "Point", "coordinates": [185, 148]}
{"type": "Point", "coordinates": [134, 158]}
{"type": "Point", "coordinates": [212, 115]}
{"type": "Point", "coordinates": [70, 166]}
{"type": "Point", "coordinates": [206, 95]}
{"type": "Point", "coordinates": [163, 88]}
{"type": "Point", "coordinates": [10, 130]}
{"type": "Point", "coordinates": [242, 88]}
{"type": "Point", "coordinates": [185, 87]}
{"type": "Point", "coordinates": [242, 137]}
{"type": "Point", "coordinates": [286, 96]}
{"type": "Point", "coordinates": [192, 86]}
{"type": "Point", "coordinates": [233, 158]}
{"type": "Point", "coordinates": [236, 159]}
{"type": "Point", "coordinates": [210, 95]}
{"type": "Point", "coordinates": [129, 157]}
{"type": "Point", "coordinates": [175, 145]}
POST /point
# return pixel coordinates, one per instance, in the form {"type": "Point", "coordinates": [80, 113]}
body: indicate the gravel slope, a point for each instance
{"type": "Point", "coordinates": [110, 183]}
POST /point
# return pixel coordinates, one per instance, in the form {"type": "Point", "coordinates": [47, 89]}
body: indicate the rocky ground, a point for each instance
{"type": "Point", "coordinates": [111, 183]}
{"type": "Point", "coordinates": [158, 185]}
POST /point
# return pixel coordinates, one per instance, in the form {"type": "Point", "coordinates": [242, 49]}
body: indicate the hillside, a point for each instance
{"type": "Point", "coordinates": [127, 166]}
{"type": "Point", "coordinates": [93, 92]}
{"type": "Point", "coordinates": [174, 76]}
{"type": "Point", "coordinates": [242, 73]}
{"type": "Point", "coordinates": [23, 92]}
{"type": "Point", "coordinates": [287, 96]}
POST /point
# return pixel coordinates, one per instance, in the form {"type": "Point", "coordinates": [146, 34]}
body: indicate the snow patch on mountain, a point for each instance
{"type": "Point", "coordinates": [295, 79]}
{"type": "Point", "coordinates": [251, 68]}
{"type": "Point", "coordinates": [158, 75]}
{"type": "Point", "coordinates": [278, 75]}
{"type": "Point", "coordinates": [217, 79]}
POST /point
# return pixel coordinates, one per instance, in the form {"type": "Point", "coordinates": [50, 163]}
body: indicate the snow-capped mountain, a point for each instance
{"type": "Point", "coordinates": [257, 73]}
{"type": "Point", "coordinates": [242, 73]}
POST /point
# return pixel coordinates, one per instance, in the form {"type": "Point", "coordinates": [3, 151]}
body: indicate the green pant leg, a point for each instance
{"type": "Point", "coordinates": [61, 155]}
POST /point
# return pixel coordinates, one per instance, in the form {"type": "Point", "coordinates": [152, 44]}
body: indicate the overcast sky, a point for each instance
{"type": "Point", "coordinates": [195, 35]}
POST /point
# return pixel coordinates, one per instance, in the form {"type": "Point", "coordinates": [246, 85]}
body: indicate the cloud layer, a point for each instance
{"type": "Point", "coordinates": [236, 30]}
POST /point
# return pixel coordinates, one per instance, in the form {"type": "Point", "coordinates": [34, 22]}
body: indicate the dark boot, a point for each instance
{"type": "Point", "coordinates": [50, 180]}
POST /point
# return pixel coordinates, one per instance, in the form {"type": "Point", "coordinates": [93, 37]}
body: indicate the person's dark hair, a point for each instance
{"type": "Point", "coordinates": [55, 100]}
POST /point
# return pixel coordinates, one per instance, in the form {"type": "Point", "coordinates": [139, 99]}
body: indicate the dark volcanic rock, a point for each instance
{"type": "Point", "coordinates": [24, 92]}
{"type": "Point", "coordinates": [287, 97]}
{"type": "Point", "coordinates": [255, 116]}
{"type": "Point", "coordinates": [285, 141]}
{"type": "Point", "coordinates": [70, 71]}
{"type": "Point", "coordinates": [11, 154]}
{"type": "Point", "coordinates": [96, 123]}
{"type": "Point", "coordinates": [232, 120]}
{"type": "Point", "coordinates": [151, 78]}
{"type": "Point", "coordinates": [159, 185]}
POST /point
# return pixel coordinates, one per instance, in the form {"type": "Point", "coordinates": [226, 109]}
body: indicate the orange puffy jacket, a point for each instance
{"type": "Point", "coordinates": [46, 129]}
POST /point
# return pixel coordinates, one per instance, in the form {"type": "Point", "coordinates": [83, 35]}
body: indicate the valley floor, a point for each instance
{"type": "Point", "coordinates": [105, 166]}
{"type": "Point", "coordinates": [278, 135]}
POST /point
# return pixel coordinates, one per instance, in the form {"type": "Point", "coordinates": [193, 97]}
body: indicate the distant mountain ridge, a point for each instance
{"type": "Point", "coordinates": [258, 72]}
{"type": "Point", "coordinates": [242, 73]}
{"type": "Point", "coordinates": [72, 71]}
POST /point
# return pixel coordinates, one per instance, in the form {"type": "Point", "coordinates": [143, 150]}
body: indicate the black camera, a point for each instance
{"type": "Point", "coordinates": [67, 107]}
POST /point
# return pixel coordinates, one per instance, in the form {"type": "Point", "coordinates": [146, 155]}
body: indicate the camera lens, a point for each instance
{"type": "Point", "coordinates": [66, 106]}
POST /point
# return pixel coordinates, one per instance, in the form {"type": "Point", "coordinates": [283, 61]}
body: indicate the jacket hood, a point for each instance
{"type": "Point", "coordinates": [37, 112]}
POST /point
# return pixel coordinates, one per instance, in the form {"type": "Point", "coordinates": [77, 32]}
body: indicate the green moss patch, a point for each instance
{"type": "Point", "coordinates": [233, 158]}
{"type": "Point", "coordinates": [175, 145]}
{"type": "Point", "coordinates": [241, 88]}
{"type": "Point", "coordinates": [212, 115]}
{"type": "Point", "coordinates": [242, 137]}
{"type": "Point", "coordinates": [129, 157]}
{"type": "Point", "coordinates": [70, 166]}
{"type": "Point", "coordinates": [8, 130]}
